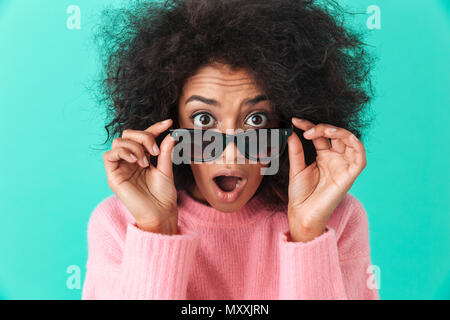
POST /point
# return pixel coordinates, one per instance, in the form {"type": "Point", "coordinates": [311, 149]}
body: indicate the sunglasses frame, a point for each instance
{"type": "Point", "coordinates": [227, 138]}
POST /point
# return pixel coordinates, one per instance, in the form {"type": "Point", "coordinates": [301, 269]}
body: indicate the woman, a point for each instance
{"type": "Point", "coordinates": [220, 228]}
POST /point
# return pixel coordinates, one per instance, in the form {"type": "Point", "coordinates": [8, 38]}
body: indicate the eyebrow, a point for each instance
{"type": "Point", "coordinates": [212, 102]}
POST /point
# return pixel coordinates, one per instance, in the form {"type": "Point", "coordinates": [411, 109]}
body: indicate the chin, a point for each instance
{"type": "Point", "coordinates": [229, 206]}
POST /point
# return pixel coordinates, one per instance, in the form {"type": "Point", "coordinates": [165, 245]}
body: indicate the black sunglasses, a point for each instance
{"type": "Point", "coordinates": [262, 144]}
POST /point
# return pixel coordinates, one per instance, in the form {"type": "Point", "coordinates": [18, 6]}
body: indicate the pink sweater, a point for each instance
{"type": "Point", "coordinates": [246, 254]}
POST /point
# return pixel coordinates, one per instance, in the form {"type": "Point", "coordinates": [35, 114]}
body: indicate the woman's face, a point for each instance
{"type": "Point", "coordinates": [221, 99]}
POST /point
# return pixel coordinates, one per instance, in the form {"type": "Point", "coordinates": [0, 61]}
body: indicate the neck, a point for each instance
{"type": "Point", "coordinates": [203, 213]}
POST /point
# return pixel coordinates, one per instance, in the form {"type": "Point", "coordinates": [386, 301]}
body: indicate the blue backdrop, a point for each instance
{"type": "Point", "coordinates": [52, 176]}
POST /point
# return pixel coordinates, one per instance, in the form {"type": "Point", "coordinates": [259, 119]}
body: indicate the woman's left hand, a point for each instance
{"type": "Point", "coordinates": [316, 190]}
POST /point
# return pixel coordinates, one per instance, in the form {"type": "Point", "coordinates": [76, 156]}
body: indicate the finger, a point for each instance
{"type": "Point", "coordinates": [296, 155]}
{"type": "Point", "coordinates": [354, 147]}
{"type": "Point", "coordinates": [360, 151]}
{"type": "Point", "coordinates": [144, 138]}
{"type": "Point", "coordinates": [320, 143]}
{"type": "Point", "coordinates": [165, 157]}
{"type": "Point", "coordinates": [337, 145]}
{"type": "Point", "coordinates": [159, 127]}
{"type": "Point", "coordinates": [137, 149]}
{"type": "Point", "coordinates": [112, 157]}
{"type": "Point", "coordinates": [348, 138]}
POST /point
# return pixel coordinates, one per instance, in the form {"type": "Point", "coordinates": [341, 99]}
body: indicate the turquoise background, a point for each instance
{"type": "Point", "coordinates": [52, 176]}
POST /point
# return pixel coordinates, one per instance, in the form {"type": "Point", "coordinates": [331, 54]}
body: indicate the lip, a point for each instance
{"type": "Point", "coordinates": [229, 172]}
{"type": "Point", "coordinates": [232, 195]}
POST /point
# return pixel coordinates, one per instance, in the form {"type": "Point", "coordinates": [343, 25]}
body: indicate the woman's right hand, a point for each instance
{"type": "Point", "coordinates": [147, 191]}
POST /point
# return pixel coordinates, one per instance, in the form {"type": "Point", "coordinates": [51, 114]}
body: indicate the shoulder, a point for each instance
{"type": "Point", "coordinates": [106, 232]}
{"type": "Point", "coordinates": [349, 222]}
{"type": "Point", "coordinates": [347, 216]}
{"type": "Point", "coordinates": [109, 216]}
{"type": "Point", "coordinates": [352, 229]}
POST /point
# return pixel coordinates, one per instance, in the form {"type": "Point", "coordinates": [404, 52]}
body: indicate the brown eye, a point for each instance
{"type": "Point", "coordinates": [257, 120]}
{"type": "Point", "coordinates": [203, 119]}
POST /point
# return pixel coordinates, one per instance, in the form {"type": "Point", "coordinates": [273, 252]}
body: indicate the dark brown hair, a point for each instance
{"type": "Point", "coordinates": [298, 52]}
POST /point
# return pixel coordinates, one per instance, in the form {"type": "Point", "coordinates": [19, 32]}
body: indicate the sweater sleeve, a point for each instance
{"type": "Point", "coordinates": [329, 267]}
{"type": "Point", "coordinates": [136, 264]}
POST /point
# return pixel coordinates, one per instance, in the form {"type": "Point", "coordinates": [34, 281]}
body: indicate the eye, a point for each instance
{"type": "Point", "coordinates": [258, 120]}
{"type": "Point", "coordinates": [203, 119]}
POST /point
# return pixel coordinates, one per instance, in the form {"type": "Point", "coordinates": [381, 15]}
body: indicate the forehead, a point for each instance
{"type": "Point", "coordinates": [219, 78]}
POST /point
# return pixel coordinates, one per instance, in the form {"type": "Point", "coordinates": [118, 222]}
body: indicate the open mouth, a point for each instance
{"type": "Point", "coordinates": [227, 183]}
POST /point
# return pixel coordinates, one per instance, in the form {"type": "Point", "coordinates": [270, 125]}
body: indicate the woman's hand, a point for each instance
{"type": "Point", "coordinates": [316, 190]}
{"type": "Point", "coordinates": [148, 192]}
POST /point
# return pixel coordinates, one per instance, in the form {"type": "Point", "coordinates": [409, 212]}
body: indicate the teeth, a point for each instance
{"type": "Point", "coordinates": [238, 184]}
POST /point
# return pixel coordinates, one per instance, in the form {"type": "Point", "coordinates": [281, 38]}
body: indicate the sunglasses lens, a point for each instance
{"type": "Point", "coordinates": [263, 145]}
{"type": "Point", "coordinates": [205, 145]}
{"type": "Point", "coordinates": [257, 145]}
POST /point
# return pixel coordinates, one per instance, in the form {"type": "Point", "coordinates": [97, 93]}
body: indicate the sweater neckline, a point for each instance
{"type": "Point", "coordinates": [256, 208]}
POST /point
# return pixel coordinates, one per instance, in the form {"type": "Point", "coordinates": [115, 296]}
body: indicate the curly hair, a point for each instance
{"type": "Point", "coordinates": [298, 52]}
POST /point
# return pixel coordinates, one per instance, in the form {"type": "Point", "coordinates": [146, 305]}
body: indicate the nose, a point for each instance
{"type": "Point", "coordinates": [231, 154]}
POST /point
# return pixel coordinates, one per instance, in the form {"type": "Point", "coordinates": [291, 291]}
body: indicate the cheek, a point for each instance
{"type": "Point", "coordinates": [200, 172]}
{"type": "Point", "coordinates": [255, 176]}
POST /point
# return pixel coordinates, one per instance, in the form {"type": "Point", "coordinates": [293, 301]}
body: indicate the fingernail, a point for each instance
{"type": "Point", "coordinates": [132, 156]}
{"type": "Point", "coordinates": [155, 149]}
{"type": "Point", "coordinates": [145, 160]}
{"type": "Point", "coordinates": [354, 138]}
{"type": "Point", "coordinates": [330, 130]}
{"type": "Point", "coordinates": [166, 121]}
{"type": "Point", "coordinates": [309, 132]}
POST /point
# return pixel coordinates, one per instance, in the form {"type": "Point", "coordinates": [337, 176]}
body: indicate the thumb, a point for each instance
{"type": "Point", "coordinates": [296, 155]}
{"type": "Point", "coordinates": [165, 157]}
